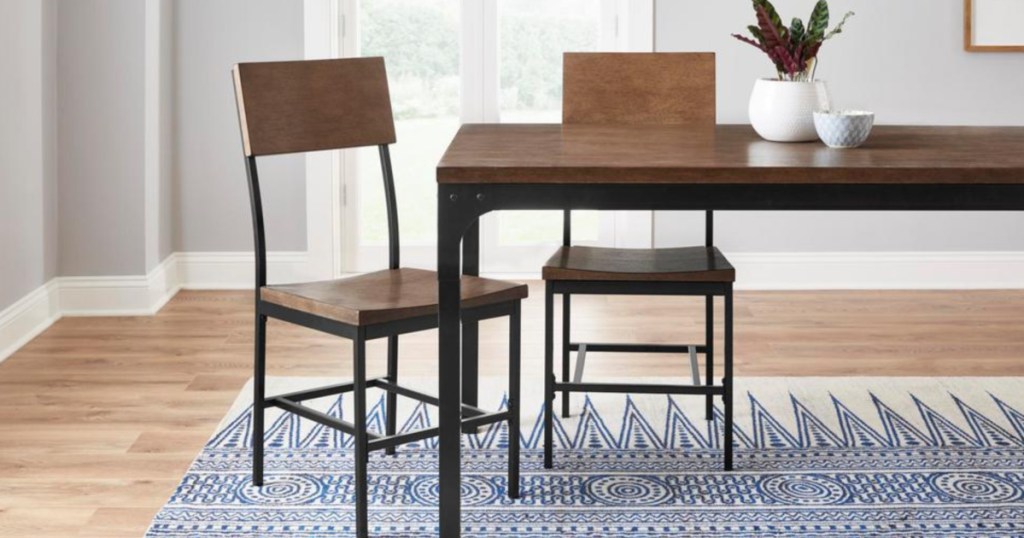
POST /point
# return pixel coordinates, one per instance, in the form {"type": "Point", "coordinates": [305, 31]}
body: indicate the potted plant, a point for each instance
{"type": "Point", "coordinates": [781, 108]}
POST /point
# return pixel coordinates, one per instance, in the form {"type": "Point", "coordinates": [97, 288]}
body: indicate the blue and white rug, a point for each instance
{"type": "Point", "coordinates": [815, 457]}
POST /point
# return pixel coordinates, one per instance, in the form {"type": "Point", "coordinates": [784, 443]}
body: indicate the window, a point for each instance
{"type": "Point", "coordinates": [420, 41]}
{"type": "Point", "coordinates": [532, 35]}
{"type": "Point", "coordinates": [472, 61]}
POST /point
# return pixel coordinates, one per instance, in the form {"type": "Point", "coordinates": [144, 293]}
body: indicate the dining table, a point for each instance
{"type": "Point", "coordinates": [492, 167]}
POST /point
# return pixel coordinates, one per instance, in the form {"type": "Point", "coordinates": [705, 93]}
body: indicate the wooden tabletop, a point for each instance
{"type": "Point", "coordinates": [555, 153]}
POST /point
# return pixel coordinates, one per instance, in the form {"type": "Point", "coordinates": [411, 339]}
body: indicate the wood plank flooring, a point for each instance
{"type": "Point", "coordinates": [100, 417]}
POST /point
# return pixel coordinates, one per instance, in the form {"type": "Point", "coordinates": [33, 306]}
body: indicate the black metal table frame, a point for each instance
{"type": "Point", "coordinates": [460, 205]}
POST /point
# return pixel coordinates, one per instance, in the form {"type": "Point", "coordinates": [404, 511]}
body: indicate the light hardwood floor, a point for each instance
{"type": "Point", "coordinates": [100, 417]}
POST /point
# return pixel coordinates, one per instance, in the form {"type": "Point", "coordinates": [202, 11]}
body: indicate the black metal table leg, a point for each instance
{"type": "Point", "coordinates": [258, 397]}
{"type": "Point", "coordinates": [727, 380]}
{"type": "Point", "coordinates": [709, 355]}
{"type": "Point", "coordinates": [359, 420]}
{"type": "Point", "coordinates": [449, 373]}
{"type": "Point", "coordinates": [514, 333]}
{"type": "Point", "coordinates": [566, 312]}
{"type": "Point", "coordinates": [471, 329]}
{"type": "Point", "coordinates": [549, 375]}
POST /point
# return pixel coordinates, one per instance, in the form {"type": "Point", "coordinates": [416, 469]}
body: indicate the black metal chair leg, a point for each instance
{"type": "Point", "coordinates": [709, 356]}
{"type": "Point", "coordinates": [566, 312]}
{"type": "Point", "coordinates": [359, 419]}
{"type": "Point", "coordinates": [514, 333]}
{"type": "Point", "coordinates": [258, 397]}
{"type": "Point", "coordinates": [727, 381]}
{"type": "Point", "coordinates": [549, 376]}
{"type": "Point", "coordinates": [470, 366]}
{"type": "Point", "coordinates": [392, 397]}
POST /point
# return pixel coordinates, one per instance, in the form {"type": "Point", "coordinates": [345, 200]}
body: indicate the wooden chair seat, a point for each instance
{"type": "Point", "coordinates": [384, 296]}
{"type": "Point", "coordinates": [688, 264]}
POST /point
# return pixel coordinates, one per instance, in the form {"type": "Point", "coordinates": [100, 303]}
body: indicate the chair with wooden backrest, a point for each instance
{"type": "Point", "coordinates": [303, 106]}
{"type": "Point", "coordinates": [638, 89]}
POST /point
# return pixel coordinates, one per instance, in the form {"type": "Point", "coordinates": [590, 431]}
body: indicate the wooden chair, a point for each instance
{"type": "Point", "coordinates": [292, 107]}
{"type": "Point", "coordinates": [638, 88]}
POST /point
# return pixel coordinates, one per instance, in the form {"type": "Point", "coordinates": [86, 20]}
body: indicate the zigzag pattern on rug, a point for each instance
{"type": "Point", "coordinates": [650, 469]}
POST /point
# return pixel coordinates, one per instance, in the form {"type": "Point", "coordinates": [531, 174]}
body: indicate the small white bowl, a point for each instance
{"type": "Point", "coordinates": [843, 128]}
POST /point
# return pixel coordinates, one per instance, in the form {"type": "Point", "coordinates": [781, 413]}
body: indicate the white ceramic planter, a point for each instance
{"type": "Point", "coordinates": [783, 111]}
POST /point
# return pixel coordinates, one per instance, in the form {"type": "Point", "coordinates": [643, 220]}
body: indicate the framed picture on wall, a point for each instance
{"type": "Point", "coordinates": [994, 25]}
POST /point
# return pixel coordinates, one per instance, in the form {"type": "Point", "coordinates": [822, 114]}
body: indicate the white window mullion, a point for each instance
{"type": "Point", "coordinates": [489, 73]}
{"type": "Point", "coordinates": [610, 30]}
{"type": "Point", "coordinates": [633, 32]}
{"type": "Point", "coordinates": [483, 83]}
{"type": "Point", "coordinates": [350, 257]}
{"type": "Point", "coordinates": [471, 61]}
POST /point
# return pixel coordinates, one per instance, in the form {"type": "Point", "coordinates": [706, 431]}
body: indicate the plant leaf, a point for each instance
{"type": "Point", "coordinates": [756, 32]}
{"type": "Point", "coordinates": [796, 31]}
{"type": "Point", "coordinates": [812, 52]}
{"type": "Point", "coordinates": [774, 42]}
{"type": "Point", "coordinates": [772, 36]}
{"type": "Point", "coordinates": [818, 22]}
{"type": "Point", "coordinates": [788, 62]}
{"type": "Point", "coordinates": [839, 27]}
{"type": "Point", "coordinates": [746, 39]}
{"type": "Point", "coordinates": [771, 14]}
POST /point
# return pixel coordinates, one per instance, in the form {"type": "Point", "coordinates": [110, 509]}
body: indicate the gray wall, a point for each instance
{"type": "Point", "coordinates": [905, 61]}
{"type": "Point", "coordinates": [27, 171]}
{"type": "Point", "coordinates": [49, 127]}
{"type": "Point", "coordinates": [211, 196]}
{"type": "Point", "coordinates": [100, 124]}
{"type": "Point", "coordinates": [165, 238]}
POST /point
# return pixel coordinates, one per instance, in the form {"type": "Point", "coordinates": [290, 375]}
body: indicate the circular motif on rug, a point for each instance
{"type": "Point", "coordinates": [476, 491]}
{"type": "Point", "coordinates": [285, 489]}
{"type": "Point", "coordinates": [803, 489]}
{"type": "Point", "coordinates": [628, 490]}
{"type": "Point", "coordinates": [975, 487]}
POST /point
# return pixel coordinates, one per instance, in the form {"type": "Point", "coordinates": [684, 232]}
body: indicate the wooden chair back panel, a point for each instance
{"type": "Point", "coordinates": [639, 88]}
{"type": "Point", "coordinates": [300, 106]}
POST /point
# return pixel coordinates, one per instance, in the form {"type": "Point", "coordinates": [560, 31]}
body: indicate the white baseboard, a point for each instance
{"type": "Point", "coordinates": [26, 318]}
{"type": "Point", "coordinates": [146, 294]}
{"type": "Point", "coordinates": [119, 295]}
{"type": "Point", "coordinates": [878, 270]}
{"type": "Point", "coordinates": [138, 295]}
{"type": "Point", "coordinates": [867, 270]}
{"type": "Point", "coordinates": [236, 270]}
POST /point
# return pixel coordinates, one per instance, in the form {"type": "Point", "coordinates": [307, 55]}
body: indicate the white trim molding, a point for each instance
{"type": "Point", "coordinates": [235, 270]}
{"type": "Point", "coordinates": [26, 318]}
{"type": "Point", "coordinates": [878, 270]}
{"type": "Point", "coordinates": [139, 295]}
{"type": "Point", "coordinates": [146, 294]}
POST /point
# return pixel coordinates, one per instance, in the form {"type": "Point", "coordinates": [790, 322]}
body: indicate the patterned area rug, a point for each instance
{"type": "Point", "coordinates": [815, 457]}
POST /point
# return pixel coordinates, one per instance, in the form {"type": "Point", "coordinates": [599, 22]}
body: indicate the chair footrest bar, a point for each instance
{"type": "Point", "coordinates": [403, 438]}
{"type": "Point", "coordinates": [378, 442]}
{"type": "Point", "coordinates": [581, 361]}
{"type": "Point", "coordinates": [317, 416]}
{"type": "Point", "coordinates": [641, 388]}
{"type": "Point", "coordinates": [384, 384]}
{"type": "Point", "coordinates": [485, 419]}
{"type": "Point", "coordinates": [320, 392]}
{"type": "Point", "coordinates": [636, 348]}
{"type": "Point", "coordinates": [694, 368]}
